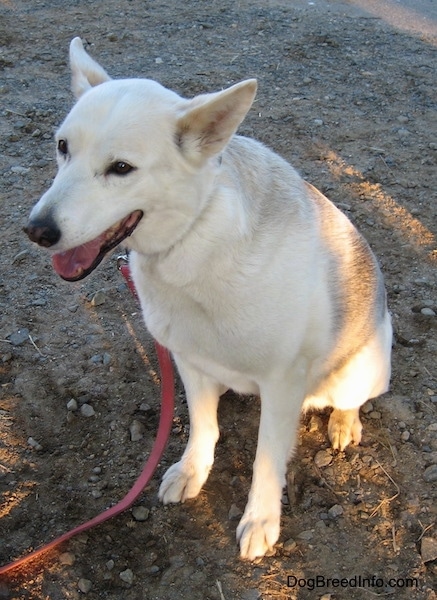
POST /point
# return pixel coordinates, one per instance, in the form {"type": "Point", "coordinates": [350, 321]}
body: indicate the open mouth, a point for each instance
{"type": "Point", "coordinates": [77, 263]}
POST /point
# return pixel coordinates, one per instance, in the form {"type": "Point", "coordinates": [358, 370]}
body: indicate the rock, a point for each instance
{"type": "Point", "coordinates": [127, 576]}
{"type": "Point", "coordinates": [84, 585]}
{"type": "Point", "coordinates": [18, 170]}
{"type": "Point", "coordinates": [67, 559]}
{"type": "Point", "coordinates": [430, 474]}
{"type": "Point", "coordinates": [306, 535]}
{"type": "Point", "coordinates": [335, 511]}
{"type": "Point", "coordinates": [316, 424]}
{"type": "Point", "coordinates": [140, 513]}
{"type": "Point", "coordinates": [323, 458]}
{"type": "Point", "coordinates": [428, 312]}
{"type": "Point", "coordinates": [99, 298]}
{"type": "Point", "coordinates": [86, 410]}
{"type": "Point", "coordinates": [405, 436]}
{"type": "Point", "coordinates": [234, 513]}
{"type": "Point", "coordinates": [428, 549]}
{"type": "Point", "coordinates": [289, 546]}
{"type": "Point", "coordinates": [136, 430]}
{"type": "Point", "coordinates": [34, 444]}
{"type": "Point", "coordinates": [72, 405]}
{"type": "Point", "coordinates": [19, 337]}
{"type": "Point", "coordinates": [107, 359]}
{"type": "Point", "coordinates": [367, 408]}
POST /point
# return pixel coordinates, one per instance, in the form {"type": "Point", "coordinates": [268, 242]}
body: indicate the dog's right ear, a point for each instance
{"type": "Point", "coordinates": [85, 72]}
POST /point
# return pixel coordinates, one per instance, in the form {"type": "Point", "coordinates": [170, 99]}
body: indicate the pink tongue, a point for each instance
{"type": "Point", "coordinates": [73, 262]}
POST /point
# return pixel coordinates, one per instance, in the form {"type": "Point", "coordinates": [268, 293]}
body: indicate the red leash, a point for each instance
{"type": "Point", "coordinates": [165, 423]}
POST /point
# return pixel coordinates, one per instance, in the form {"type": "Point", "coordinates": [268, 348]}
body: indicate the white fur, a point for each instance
{"type": "Point", "coordinates": [252, 278]}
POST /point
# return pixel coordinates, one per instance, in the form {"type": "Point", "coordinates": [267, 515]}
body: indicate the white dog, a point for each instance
{"type": "Point", "coordinates": [248, 274]}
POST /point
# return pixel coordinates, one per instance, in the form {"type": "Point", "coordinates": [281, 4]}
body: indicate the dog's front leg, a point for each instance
{"type": "Point", "coordinates": [185, 478]}
{"type": "Point", "coordinates": [281, 403]}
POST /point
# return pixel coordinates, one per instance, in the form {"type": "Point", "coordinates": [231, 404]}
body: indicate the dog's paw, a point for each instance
{"type": "Point", "coordinates": [181, 482]}
{"type": "Point", "coordinates": [257, 534]}
{"type": "Point", "coordinates": [344, 427]}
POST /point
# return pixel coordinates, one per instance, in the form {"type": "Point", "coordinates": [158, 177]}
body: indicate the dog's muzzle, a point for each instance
{"type": "Point", "coordinates": [43, 232]}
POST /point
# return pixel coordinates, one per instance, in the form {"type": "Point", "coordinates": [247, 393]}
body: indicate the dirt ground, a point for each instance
{"type": "Point", "coordinates": [349, 98]}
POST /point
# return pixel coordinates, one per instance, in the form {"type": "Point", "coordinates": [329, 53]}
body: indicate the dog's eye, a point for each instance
{"type": "Point", "coordinates": [120, 168]}
{"type": "Point", "coordinates": [63, 147]}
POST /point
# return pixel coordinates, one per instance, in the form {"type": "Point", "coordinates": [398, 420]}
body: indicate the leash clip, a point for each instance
{"type": "Point", "coordinates": [122, 261]}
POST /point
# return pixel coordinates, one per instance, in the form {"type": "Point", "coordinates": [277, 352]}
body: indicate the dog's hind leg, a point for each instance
{"type": "Point", "coordinates": [185, 478]}
{"type": "Point", "coordinates": [281, 401]}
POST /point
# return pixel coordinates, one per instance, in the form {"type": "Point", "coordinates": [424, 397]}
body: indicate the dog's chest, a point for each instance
{"type": "Point", "coordinates": [211, 335]}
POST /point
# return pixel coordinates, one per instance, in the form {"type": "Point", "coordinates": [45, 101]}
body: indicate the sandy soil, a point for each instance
{"type": "Point", "coordinates": [348, 97]}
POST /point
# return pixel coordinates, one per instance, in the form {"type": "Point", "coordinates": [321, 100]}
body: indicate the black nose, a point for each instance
{"type": "Point", "coordinates": [44, 232]}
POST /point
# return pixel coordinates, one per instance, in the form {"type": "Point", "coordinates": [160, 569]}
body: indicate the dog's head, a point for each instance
{"type": "Point", "coordinates": [135, 162]}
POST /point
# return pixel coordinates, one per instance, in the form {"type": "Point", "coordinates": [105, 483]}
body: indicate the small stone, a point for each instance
{"type": "Point", "coordinates": [99, 298]}
{"type": "Point", "coordinates": [323, 458]}
{"type": "Point", "coordinates": [18, 170]}
{"type": "Point", "coordinates": [367, 408]}
{"type": "Point", "coordinates": [375, 414]}
{"type": "Point", "coordinates": [136, 431]}
{"type": "Point", "coordinates": [153, 570]}
{"type": "Point", "coordinates": [234, 513]}
{"type": "Point", "coordinates": [87, 410]}
{"type": "Point", "coordinates": [430, 474]}
{"type": "Point", "coordinates": [67, 559]}
{"type": "Point", "coordinates": [72, 405]}
{"type": "Point", "coordinates": [403, 132]}
{"type": "Point", "coordinates": [318, 122]}
{"type": "Point", "coordinates": [403, 119]}
{"type": "Point", "coordinates": [34, 444]}
{"type": "Point", "coordinates": [289, 546]}
{"type": "Point", "coordinates": [107, 359]}
{"type": "Point", "coordinates": [158, 61]}
{"type": "Point", "coordinates": [144, 407]}
{"type": "Point", "coordinates": [306, 535]}
{"type": "Point", "coordinates": [316, 424]}
{"type": "Point", "coordinates": [140, 513]}
{"type": "Point", "coordinates": [110, 564]}
{"type": "Point", "coordinates": [432, 427]}
{"type": "Point", "coordinates": [127, 576]}
{"type": "Point", "coordinates": [428, 549]}
{"type": "Point", "coordinates": [335, 511]}
{"type": "Point", "coordinates": [84, 585]}
{"type": "Point", "coordinates": [19, 337]}
{"type": "Point", "coordinates": [427, 312]}
{"type": "Point", "coordinates": [405, 436]}
{"type": "Point", "coordinates": [73, 308]}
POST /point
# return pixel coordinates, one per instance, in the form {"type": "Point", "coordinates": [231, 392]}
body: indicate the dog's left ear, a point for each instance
{"type": "Point", "coordinates": [85, 72]}
{"type": "Point", "coordinates": [211, 119]}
